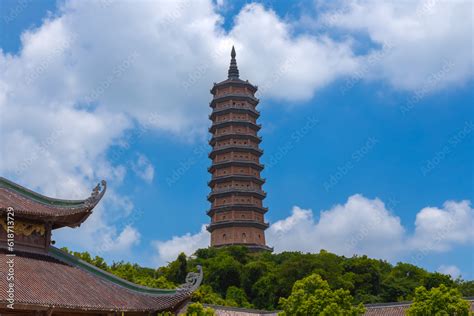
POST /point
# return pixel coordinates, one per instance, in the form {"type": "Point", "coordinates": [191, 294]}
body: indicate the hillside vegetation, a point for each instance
{"type": "Point", "coordinates": [234, 276]}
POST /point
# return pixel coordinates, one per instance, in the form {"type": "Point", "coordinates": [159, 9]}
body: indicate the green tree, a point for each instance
{"type": "Point", "coordinates": [365, 276]}
{"type": "Point", "coordinates": [439, 301]}
{"type": "Point", "coordinates": [223, 271]}
{"type": "Point", "coordinates": [313, 296]}
{"type": "Point", "coordinates": [178, 269]}
{"type": "Point", "coordinates": [265, 292]}
{"type": "Point", "coordinates": [294, 268]}
{"type": "Point", "coordinates": [239, 253]}
{"type": "Point", "coordinates": [196, 309]}
{"type": "Point", "coordinates": [160, 282]}
{"type": "Point", "coordinates": [465, 287]}
{"type": "Point", "coordinates": [236, 297]}
{"type": "Point", "coordinates": [204, 294]}
{"type": "Point", "coordinates": [400, 282]}
{"type": "Point", "coordinates": [251, 273]}
{"type": "Point", "coordinates": [436, 279]}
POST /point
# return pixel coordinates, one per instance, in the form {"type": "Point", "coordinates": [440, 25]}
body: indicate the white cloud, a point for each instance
{"type": "Point", "coordinates": [439, 229]}
{"type": "Point", "coordinates": [143, 168]}
{"type": "Point", "coordinates": [126, 239]}
{"type": "Point", "coordinates": [169, 250]}
{"type": "Point", "coordinates": [361, 226]}
{"type": "Point", "coordinates": [365, 226]}
{"type": "Point", "coordinates": [287, 66]}
{"type": "Point", "coordinates": [113, 239]}
{"type": "Point", "coordinates": [451, 270]}
{"type": "Point", "coordinates": [430, 41]}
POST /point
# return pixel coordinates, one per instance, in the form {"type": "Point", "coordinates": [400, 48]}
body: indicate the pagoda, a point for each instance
{"type": "Point", "coordinates": [237, 211]}
{"type": "Point", "coordinates": [40, 279]}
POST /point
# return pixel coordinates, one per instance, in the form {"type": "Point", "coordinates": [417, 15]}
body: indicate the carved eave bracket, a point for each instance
{"type": "Point", "coordinates": [193, 281]}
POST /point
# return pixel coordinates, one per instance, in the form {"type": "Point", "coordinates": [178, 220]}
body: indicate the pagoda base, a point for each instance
{"type": "Point", "coordinates": [251, 247]}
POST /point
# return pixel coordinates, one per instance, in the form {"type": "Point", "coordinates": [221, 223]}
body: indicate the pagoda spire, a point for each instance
{"type": "Point", "coordinates": [233, 70]}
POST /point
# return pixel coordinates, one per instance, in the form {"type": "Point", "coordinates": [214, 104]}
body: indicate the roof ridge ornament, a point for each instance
{"type": "Point", "coordinates": [193, 281]}
{"type": "Point", "coordinates": [97, 193]}
{"type": "Point", "coordinates": [233, 72]}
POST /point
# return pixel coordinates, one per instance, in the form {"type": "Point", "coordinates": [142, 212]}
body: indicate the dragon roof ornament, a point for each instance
{"type": "Point", "coordinates": [96, 194]}
{"type": "Point", "coordinates": [193, 281]}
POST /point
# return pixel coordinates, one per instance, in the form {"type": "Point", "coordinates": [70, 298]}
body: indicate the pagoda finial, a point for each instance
{"type": "Point", "coordinates": [233, 70]}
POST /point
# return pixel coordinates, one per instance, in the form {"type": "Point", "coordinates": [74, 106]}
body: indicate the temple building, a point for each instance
{"type": "Point", "coordinates": [40, 279]}
{"type": "Point", "coordinates": [237, 211]}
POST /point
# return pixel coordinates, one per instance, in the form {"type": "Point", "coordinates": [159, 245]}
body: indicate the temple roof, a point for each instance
{"type": "Point", "coordinates": [32, 205]}
{"type": "Point", "coordinates": [61, 281]}
{"type": "Point", "coordinates": [397, 308]}
{"type": "Point", "coordinates": [381, 309]}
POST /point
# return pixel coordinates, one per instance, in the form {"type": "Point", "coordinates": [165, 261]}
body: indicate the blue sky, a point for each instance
{"type": "Point", "coordinates": [392, 127]}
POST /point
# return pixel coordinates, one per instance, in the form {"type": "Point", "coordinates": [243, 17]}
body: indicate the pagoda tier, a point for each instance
{"type": "Point", "coordinates": [234, 162]}
{"type": "Point", "coordinates": [235, 109]}
{"type": "Point", "coordinates": [237, 212]}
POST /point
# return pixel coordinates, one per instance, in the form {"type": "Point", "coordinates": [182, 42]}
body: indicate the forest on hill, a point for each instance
{"type": "Point", "coordinates": [233, 276]}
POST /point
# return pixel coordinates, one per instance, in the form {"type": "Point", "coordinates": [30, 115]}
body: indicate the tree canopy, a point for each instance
{"type": "Point", "coordinates": [313, 296]}
{"type": "Point", "coordinates": [439, 301]}
{"type": "Point", "coordinates": [234, 276]}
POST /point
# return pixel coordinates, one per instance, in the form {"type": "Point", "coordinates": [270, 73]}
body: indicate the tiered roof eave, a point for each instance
{"type": "Point", "coordinates": [33, 206]}
{"type": "Point", "coordinates": [234, 82]}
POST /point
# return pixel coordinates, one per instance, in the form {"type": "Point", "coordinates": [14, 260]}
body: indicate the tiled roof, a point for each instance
{"type": "Point", "coordinates": [395, 309]}
{"type": "Point", "coordinates": [383, 309]}
{"type": "Point", "coordinates": [32, 205]}
{"type": "Point", "coordinates": [236, 311]}
{"type": "Point", "coordinates": [389, 309]}
{"type": "Point", "coordinates": [49, 282]}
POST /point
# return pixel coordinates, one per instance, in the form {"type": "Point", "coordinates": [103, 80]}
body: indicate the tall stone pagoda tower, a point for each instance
{"type": "Point", "coordinates": [237, 212]}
